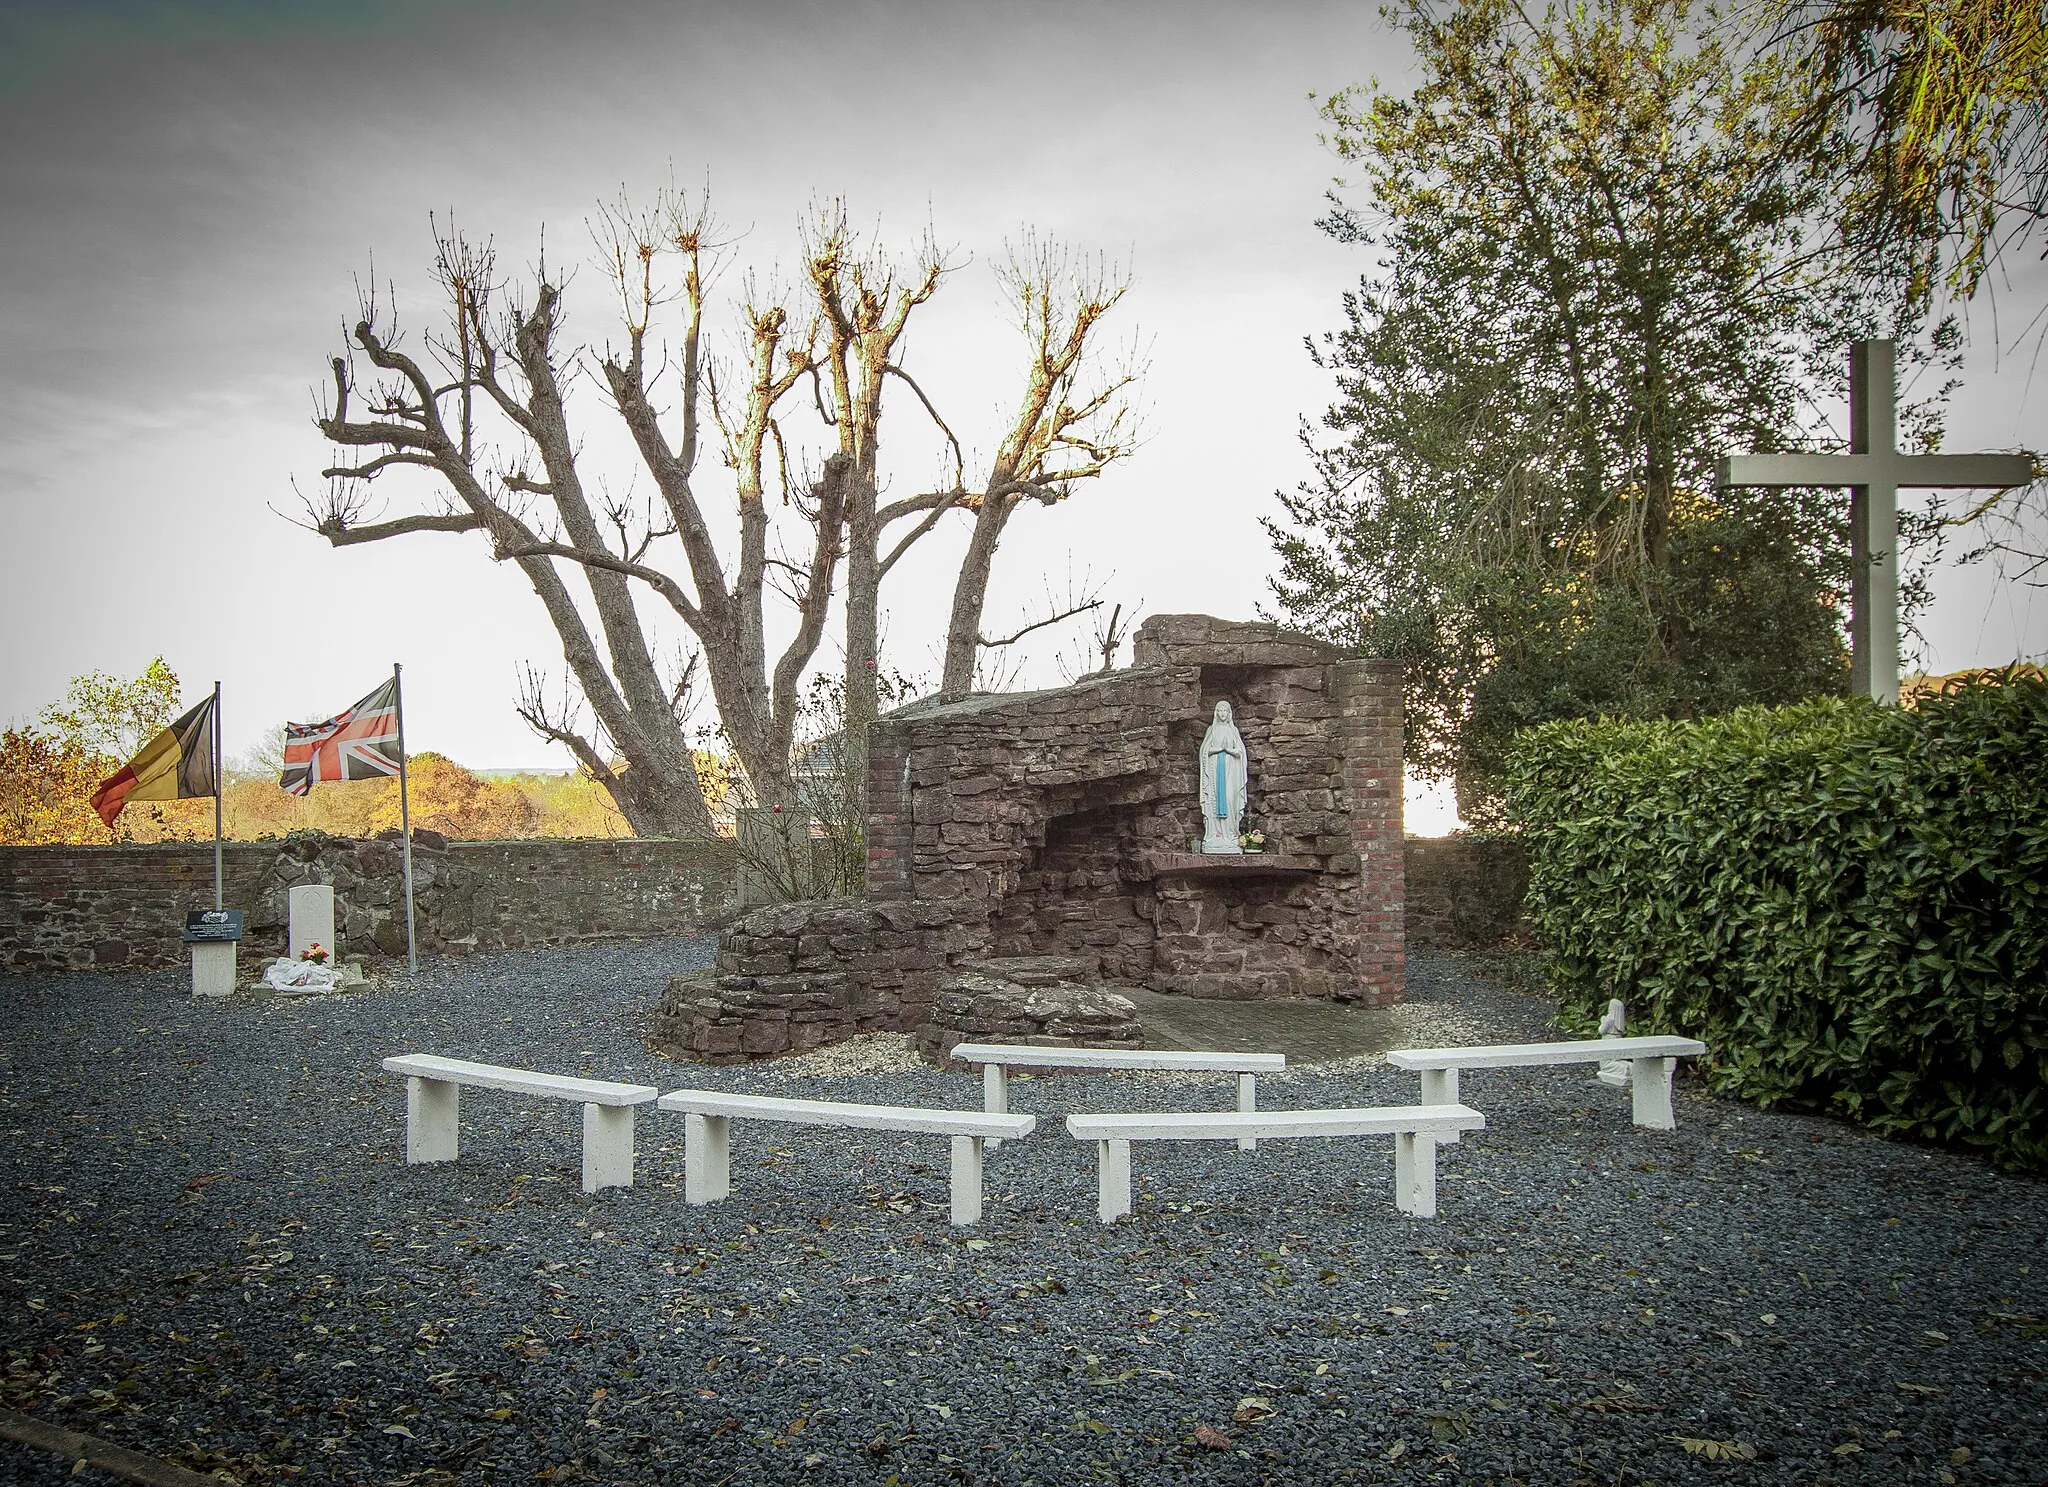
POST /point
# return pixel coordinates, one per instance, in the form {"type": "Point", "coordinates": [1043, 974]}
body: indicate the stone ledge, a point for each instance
{"type": "Point", "coordinates": [1224, 865]}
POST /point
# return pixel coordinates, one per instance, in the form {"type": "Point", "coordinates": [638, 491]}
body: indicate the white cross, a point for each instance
{"type": "Point", "coordinates": [1874, 470]}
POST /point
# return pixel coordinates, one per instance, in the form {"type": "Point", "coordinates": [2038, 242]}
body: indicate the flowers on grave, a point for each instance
{"type": "Point", "coordinates": [1252, 841]}
{"type": "Point", "coordinates": [315, 952]}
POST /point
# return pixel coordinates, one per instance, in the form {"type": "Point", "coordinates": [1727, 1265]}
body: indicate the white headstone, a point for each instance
{"type": "Point", "coordinates": [312, 918]}
{"type": "Point", "coordinates": [1222, 776]}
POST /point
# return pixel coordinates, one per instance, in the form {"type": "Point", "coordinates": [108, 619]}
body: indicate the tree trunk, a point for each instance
{"type": "Point", "coordinates": [970, 598]}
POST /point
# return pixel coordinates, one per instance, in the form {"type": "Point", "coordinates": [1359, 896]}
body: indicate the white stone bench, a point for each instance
{"type": "Point", "coordinates": [707, 1139]}
{"type": "Point", "coordinates": [996, 1059]}
{"type": "Point", "coordinates": [434, 1086]}
{"type": "Point", "coordinates": [1649, 1061]}
{"type": "Point", "coordinates": [1416, 1129]}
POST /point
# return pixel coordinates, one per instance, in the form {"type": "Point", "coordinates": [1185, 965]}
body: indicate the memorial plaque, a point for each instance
{"type": "Point", "coordinates": [213, 926]}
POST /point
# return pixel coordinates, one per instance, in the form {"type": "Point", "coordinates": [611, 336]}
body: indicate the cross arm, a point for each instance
{"type": "Point", "coordinates": [1919, 471]}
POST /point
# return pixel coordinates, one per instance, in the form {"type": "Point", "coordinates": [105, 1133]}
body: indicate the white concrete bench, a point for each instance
{"type": "Point", "coordinates": [1649, 1061]}
{"type": "Point", "coordinates": [434, 1086]}
{"type": "Point", "coordinates": [1416, 1130]}
{"type": "Point", "coordinates": [707, 1139]}
{"type": "Point", "coordinates": [996, 1059]}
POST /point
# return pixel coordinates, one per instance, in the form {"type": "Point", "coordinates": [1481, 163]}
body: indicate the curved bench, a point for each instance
{"type": "Point", "coordinates": [997, 1059]}
{"type": "Point", "coordinates": [1416, 1130]}
{"type": "Point", "coordinates": [1649, 1063]}
{"type": "Point", "coordinates": [434, 1089]}
{"type": "Point", "coordinates": [707, 1140]}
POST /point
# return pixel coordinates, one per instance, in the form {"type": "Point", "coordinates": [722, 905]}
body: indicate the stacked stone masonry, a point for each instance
{"type": "Point", "coordinates": [122, 908]}
{"type": "Point", "coordinates": [1066, 823]}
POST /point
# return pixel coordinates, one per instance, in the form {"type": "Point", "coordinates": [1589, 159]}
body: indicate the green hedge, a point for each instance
{"type": "Point", "coordinates": [1847, 903]}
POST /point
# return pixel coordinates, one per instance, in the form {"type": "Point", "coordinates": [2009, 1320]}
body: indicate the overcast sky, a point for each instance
{"type": "Point", "coordinates": [188, 194]}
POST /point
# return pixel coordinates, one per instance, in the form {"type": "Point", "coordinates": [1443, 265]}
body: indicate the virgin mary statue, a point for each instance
{"type": "Point", "coordinates": [1221, 767]}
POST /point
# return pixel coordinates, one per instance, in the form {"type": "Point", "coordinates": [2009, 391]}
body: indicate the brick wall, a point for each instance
{"type": "Point", "coordinates": [80, 908]}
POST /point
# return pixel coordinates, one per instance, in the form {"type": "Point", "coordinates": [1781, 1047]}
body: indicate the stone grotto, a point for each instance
{"type": "Point", "coordinates": [1028, 853]}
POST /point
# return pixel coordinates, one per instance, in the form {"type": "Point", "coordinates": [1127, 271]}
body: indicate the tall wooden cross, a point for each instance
{"type": "Point", "coordinates": [1874, 470]}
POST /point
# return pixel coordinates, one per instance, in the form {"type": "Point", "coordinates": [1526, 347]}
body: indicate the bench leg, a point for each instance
{"type": "Point", "coordinates": [1112, 1180]}
{"type": "Point", "coordinates": [1415, 1173]}
{"type": "Point", "coordinates": [995, 1093]}
{"type": "Point", "coordinates": [1650, 1084]}
{"type": "Point", "coordinates": [966, 1194]}
{"type": "Point", "coordinates": [607, 1147]}
{"type": "Point", "coordinates": [707, 1158]}
{"type": "Point", "coordinates": [1440, 1087]}
{"type": "Point", "coordinates": [430, 1115]}
{"type": "Point", "coordinates": [1247, 1104]}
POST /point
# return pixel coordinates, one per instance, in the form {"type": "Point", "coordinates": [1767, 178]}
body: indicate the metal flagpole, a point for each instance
{"type": "Point", "coordinates": [216, 795]}
{"type": "Point", "coordinates": [412, 955]}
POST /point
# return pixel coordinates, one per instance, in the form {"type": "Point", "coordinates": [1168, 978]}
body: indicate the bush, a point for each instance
{"type": "Point", "coordinates": [1847, 903]}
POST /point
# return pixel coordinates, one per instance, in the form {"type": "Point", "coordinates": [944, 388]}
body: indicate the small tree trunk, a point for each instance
{"type": "Point", "coordinates": [970, 598]}
{"type": "Point", "coordinates": [863, 600]}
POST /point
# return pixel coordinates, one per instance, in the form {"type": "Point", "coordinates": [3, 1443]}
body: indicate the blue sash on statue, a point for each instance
{"type": "Point", "coordinates": [1222, 789]}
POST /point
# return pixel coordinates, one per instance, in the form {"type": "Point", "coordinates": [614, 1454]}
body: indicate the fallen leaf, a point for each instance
{"type": "Point", "coordinates": [1717, 1450]}
{"type": "Point", "coordinates": [1252, 1409]}
{"type": "Point", "coordinates": [1454, 1426]}
{"type": "Point", "coordinates": [1960, 1455]}
{"type": "Point", "coordinates": [400, 1430]}
{"type": "Point", "coordinates": [1397, 1450]}
{"type": "Point", "coordinates": [1847, 1448]}
{"type": "Point", "coordinates": [1906, 1388]}
{"type": "Point", "coordinates": [1214, 1439]}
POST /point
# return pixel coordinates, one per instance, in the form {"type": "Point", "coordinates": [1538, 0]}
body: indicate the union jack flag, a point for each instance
{"type": "Point", "coordinates": [360, 744]}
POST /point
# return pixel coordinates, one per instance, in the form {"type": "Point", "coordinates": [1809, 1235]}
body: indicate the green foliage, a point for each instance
{"type": "Point", "coordinates": [49, 771]}
{"type": "Point", "coordinates": [1848, 903]}
{"type": "Point", "coordinates": [1948, 102]}
{"type": "Point", "coordinates": [102, 715]}
{"type": "Point", "coordinates": [1601, 262]}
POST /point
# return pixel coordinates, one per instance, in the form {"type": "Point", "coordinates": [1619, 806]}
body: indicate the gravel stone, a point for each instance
{"type": "Point", "coordinates": [212, 1250]}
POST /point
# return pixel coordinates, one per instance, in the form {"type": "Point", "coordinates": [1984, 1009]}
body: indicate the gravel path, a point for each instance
{"type": "Point", "coordinates": [213, 1250]}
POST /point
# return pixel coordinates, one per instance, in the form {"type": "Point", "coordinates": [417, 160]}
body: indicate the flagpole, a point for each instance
{"type": "Point", "coordinates": [412, 956]}
{"type": "Point", "coordinates": [216, 796]}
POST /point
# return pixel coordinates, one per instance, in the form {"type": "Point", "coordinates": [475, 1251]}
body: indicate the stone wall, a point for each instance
{"type": "Point", "coordinates": [799, 976]}
{"type": "Point", "coordinates": [1073, 813]}
{"type": "Point", "coordinates": [1466, 893]}
{"type": "Point", "coordinates": [86, 908]}
{"type": "Point", "coordinates": [1065, 824]}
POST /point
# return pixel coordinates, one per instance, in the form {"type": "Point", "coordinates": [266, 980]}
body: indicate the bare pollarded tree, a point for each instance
{"type": "Point", "coordinates": [485, 408]}
{"type": "Point", "coordinates": [1064, 431]}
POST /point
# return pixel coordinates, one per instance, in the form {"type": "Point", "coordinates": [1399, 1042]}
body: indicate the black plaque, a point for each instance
{"type": "Point", "coordinates": [213, 926]}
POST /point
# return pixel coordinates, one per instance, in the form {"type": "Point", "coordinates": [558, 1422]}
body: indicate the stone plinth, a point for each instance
{"type": "Point", "coordinates": [977, 1007]}
{"type": "Point", "coordinates": [213, 969]}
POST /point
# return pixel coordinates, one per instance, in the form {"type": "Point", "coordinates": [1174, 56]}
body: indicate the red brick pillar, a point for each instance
{"type": "Point", "coordinates": [1371, 735]}
{"type": "Point", "coordinates": [888, 821]}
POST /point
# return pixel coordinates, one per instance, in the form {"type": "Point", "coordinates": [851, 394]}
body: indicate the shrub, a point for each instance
{"type": "Point", "coordinates": [1848, 903]}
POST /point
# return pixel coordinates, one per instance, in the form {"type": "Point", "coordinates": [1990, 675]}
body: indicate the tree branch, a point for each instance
{"type": "Point", "coordinates": [1052, 619]}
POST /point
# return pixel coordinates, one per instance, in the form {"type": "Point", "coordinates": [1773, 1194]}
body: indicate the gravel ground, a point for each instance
{"type": "Point", "coordinates": [214, 1251]}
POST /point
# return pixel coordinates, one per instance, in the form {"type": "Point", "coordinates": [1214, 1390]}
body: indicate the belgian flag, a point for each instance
{"type": "Point", "coordinates": [175, 765]}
